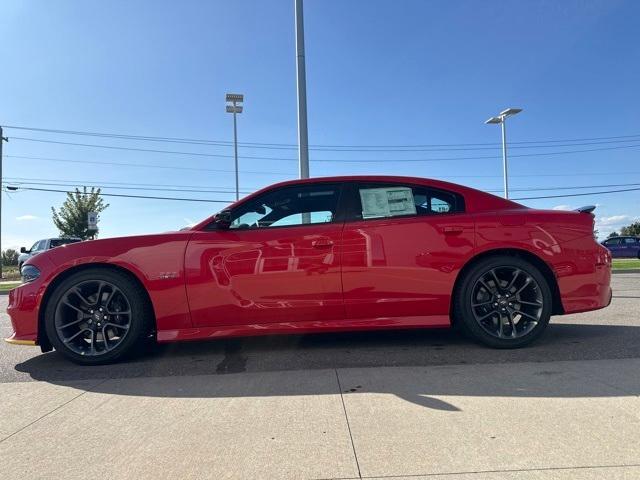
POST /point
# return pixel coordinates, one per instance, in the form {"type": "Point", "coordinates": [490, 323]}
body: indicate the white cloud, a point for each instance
{"type": "Point", "coordinates": [613, 220]}
{"type": "Point", "coordinates": [562, 207]}
{"type": "Point", "coordinates": [189, 222]}
{"type": "Point", "coordinates": [27, 217]}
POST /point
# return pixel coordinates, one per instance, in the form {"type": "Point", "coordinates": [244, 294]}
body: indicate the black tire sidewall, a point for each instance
{"type": "Point", "coordinates": [140, 317]}
{"type": "Point", "coordinates": [464, 313]}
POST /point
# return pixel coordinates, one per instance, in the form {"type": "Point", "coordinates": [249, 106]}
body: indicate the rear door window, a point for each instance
{"type": "Point", "coordinates": [396, 200]}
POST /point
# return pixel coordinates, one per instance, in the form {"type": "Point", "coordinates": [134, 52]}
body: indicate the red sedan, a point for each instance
{"type": "Point", "coordinates": [329, 254]}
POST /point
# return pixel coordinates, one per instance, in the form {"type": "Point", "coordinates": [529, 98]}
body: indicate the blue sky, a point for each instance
{"type": "Point", "coordinates": [379, 73]}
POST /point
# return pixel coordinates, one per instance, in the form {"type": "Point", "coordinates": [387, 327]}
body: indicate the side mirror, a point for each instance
{"type": "Point", "coordinates": [223, 219]}
{"type": "Point", "coordinates": [23, 250]}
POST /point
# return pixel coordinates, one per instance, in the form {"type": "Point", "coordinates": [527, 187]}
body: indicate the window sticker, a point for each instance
{"type": "Point", "coordinates": [387, 202]}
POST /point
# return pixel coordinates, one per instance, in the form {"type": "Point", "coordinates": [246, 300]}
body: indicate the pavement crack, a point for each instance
{"type": "Point", "coordinates": [54, 410]}
{"type": "Point", "coordinates": [346, 417]}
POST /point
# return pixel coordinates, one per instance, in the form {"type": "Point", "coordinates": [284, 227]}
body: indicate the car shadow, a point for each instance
{"type": "Point", "coordinates": [173, 369]}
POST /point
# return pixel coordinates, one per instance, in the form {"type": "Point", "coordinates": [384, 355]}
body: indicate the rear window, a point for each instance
{"type": "Point", "coordinates": [56, 242]}
{"type": "Point", "coordinates": [394, 200]}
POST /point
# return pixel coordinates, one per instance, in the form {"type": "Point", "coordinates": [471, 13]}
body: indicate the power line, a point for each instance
{"type": "Point", "coordinates": [395, 160]}
{"type": "Point", "coordinates": [118, 187]}
{"type": "Point", "coordinates": [578, 194]}
{"type": "Point", "coordinates": [190, 189]}
{"type": "Point", "coordinates": [405, 147]}
{"type": "Point", "coordinates": [143, 165]}
{"type": "Point", "coordinates": [18, 189]}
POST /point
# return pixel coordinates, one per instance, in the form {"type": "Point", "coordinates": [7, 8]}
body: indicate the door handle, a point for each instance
{"type": "Point", "coordinates": [453, 230]}
{"type": "Point", "coordinates": [322, 243]}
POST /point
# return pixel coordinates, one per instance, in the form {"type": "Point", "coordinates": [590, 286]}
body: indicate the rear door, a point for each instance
{"type": "Point", "coordinates": [403, 245]}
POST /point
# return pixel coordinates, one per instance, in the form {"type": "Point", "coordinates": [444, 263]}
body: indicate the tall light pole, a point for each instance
{"type": "Point", "coordinates": [303, 138]}
{"type": "Point", "coordinates": [2, 139]}
{"type": "Point", "coordinates": [235, 99]}
{"type": "Point", "coordinates": [501, 119]}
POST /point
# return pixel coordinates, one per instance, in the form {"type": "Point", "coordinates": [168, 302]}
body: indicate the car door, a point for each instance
{"type": "Point", "coordinates": [278, 260]}
{"type": "Point", "coordinates": [403, 245]}
{"type": "Point", "coordinates": [613, 244]}
{"type": "Point", "coordinates": [629, 247]}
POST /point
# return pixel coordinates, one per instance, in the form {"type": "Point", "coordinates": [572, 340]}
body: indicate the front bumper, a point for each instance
{"type": "Point", "coordinates": [23, 310]}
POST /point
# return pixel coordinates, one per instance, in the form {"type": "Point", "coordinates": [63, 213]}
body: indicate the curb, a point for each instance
{"type": "Point", "coordinates": [626, 270]}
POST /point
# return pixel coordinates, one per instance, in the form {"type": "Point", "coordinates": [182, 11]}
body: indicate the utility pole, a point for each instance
{"type": "Point", "coordinates": [303, 137]}
{"type": "Point", "coordinates": [235, 99]}
{"type": "Point", "coordinates": [2, 139]}
{"type": "Point", "coordinates": [501, 120]}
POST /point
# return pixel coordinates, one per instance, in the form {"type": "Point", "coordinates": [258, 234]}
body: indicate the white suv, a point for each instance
{"type": "Point", "coordinates": [42, 245]}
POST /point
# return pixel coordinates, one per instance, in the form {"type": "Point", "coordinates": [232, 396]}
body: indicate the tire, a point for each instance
{"type": "Point", "coordinates": [486, 303]}
{"type": "Point", "coordinates": [98, 316]}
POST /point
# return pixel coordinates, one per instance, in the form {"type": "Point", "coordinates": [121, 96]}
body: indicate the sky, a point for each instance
{"type": "Point", "coordinates": [379, 73]}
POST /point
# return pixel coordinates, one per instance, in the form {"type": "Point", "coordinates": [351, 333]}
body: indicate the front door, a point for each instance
{"type": "Point", "coordinates": [278, 261]}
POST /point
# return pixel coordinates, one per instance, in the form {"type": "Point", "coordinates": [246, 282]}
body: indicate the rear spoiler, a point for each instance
{"type": "Point", "coordinates": [586, 209]}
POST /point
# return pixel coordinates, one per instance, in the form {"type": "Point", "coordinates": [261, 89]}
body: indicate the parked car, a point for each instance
{"type": "Point", "coordinates": [623, 247]}
{"type": "Point", "coordinates": [318, 255]}
{"type": "Point", "coordinates": [42, 246]}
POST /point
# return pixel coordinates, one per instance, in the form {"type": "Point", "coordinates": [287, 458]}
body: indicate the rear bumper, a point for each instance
{"type": "Point", "coordinates": [585, 282]}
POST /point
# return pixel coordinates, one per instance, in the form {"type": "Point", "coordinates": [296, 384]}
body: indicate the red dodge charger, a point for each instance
{"type": "Point", "coordinates": [327, 254]}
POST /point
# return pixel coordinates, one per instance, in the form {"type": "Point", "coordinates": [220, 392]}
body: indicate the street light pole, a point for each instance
{"type": "Point", "coordinates": [501, 119]}
{"type": "Point", "coordinates": [2, 139]}
{"type": "Point", "coordinates": [505, 172]}
{"type": "Point", "coordinates": [303, 137]}
{"type": "Point", "coordinates": [235, 108]}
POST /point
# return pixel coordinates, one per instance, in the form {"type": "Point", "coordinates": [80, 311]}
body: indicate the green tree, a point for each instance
{"type": "Point", "coordinates": [613, 234]}
{"type": "Point", "coordinates": [71, 219]}
{"type": "Point", "coordinates": [633, 229]}
{"type": "Point", "coordinates": [10, 257]}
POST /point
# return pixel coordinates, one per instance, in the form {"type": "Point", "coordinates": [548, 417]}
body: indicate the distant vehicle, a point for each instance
{"type": "Point", "coordinates": [43, 245]}
{"type": "Point", "coordinates": [623, 247]}
{"type": "Point", "coordinates": [319, 255]}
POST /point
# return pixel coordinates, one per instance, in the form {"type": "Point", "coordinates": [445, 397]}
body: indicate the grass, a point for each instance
{"type": "Point", "coordinates": [6, 286]}
{"type": "Point", "coordinates": [626, 263]}
{"type": "Point", "coordinates": [10, 272]}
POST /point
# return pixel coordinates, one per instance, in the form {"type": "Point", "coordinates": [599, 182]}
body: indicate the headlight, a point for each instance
{"type": "Point", "coordinates": [29, 273]}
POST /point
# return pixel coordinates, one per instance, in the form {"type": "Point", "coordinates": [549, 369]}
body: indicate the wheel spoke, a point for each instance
{"type": "Point", "coordinates": [71, 323]}
{"type": "Point", "coordinates": [122, 327]}
{"type": "Point", "coordinates": [524, 314]}
{"type": "Point", "coordinates": [67, 340]}
{"type": "Point", "coordinates": [513, 280]}
{"type": "Point", "coordinates": [513, 325]}
{"type": "Point", "coordinates": [109, 298]}
{"type": "Point", "coordinates": [481, 304]}
{"type": "Point", "coordinates": [486, 315]}
{"type": "Point", "coordinates": [535, 304]}
{"type": "Point", "coordinates": [105, 339]}
{"type": "Point", "coordinates": [500, 332]}
{"type": "Point", "coordinates": [70, 305]}
{"type": "Point", "coordinates": [526, 284]}
{"type": "Point", "coordinates": [99, 294]}
{"type": "Point", "coordinates": [495, 278]}
{"type": "Point", "coordinates": [82, 298]}
{"type": "Point", "coordinates": [487, 288]}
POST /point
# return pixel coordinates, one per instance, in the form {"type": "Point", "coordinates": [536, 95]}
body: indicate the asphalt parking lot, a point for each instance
{"type": "Point", "coordinates": [405, 404]}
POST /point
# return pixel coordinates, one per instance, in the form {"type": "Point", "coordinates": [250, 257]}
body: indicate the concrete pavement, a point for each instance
{"type": "Point", "coordinates": [384, 405]}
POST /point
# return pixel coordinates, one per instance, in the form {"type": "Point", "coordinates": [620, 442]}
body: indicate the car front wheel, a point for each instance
{"type": "Point", "coordinates": [97, 316]}
{"type": "Point", "coordinates": [504, 302]}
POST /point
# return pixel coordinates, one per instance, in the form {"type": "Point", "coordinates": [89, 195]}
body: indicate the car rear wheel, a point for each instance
{"type": "Point", "coordinates": [503, 302]}
{"type": "Point", "coordinates": [97, 316]}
